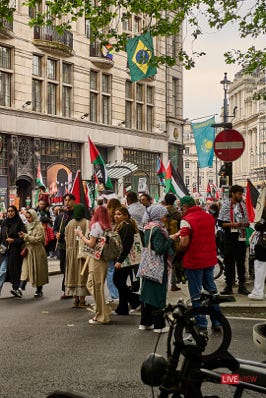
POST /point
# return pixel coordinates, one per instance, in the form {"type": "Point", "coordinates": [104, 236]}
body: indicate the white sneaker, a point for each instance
{"type": "Point", "coordinates": [134, 310]}
{"type": "Point", "coordinates": [143, 327]}
{"type": "Point", "coordinates": [163, 330]}
{"type": "Point", "coordinates": [252, 296]}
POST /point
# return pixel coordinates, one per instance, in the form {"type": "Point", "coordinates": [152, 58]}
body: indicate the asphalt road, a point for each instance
{"type": "Point", "coordinates": [46, 345]}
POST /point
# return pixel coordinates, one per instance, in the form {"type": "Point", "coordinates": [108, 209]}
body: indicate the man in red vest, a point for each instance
{"type": "Point", "coordinates": [197, 242]}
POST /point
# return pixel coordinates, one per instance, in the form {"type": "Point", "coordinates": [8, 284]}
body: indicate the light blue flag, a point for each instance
{"type": "Point", "coordinates": [204, 137]}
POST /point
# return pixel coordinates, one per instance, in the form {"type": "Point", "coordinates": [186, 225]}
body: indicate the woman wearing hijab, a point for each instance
{"type": "Point", "coordinates": [75, 283]}
{"type": "Point", "coordinates": [34, 266]}
{"type": "Point", "coordinates": [11, 260]}
{"type": "Point", "coordinates": [153, 294]}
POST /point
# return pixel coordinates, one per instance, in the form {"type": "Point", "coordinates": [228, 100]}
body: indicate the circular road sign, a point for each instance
{"type": "Point", "coordinates": [229, 145]}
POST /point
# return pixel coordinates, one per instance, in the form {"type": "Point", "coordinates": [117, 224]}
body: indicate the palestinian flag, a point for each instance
{"type": "Point", "coordinates": [96, 159]}
{"type": "Point", "coordinates": [260, 205]}
{"type": "Point", "coordinates": [39, 180]}
{"type": "Point", "coordinates": [252, 195]}
{"type": "Point", "coordinates": [174, 182]}
{"type": "Point", "coordinates": [78, 191]}
{"type": "Point", "coordinates": [160, 171]}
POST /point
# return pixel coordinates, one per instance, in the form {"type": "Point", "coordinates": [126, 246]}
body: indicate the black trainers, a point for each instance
{"type": "Point", "coordinates": [227, 290]}
{"type": "Point", "coordinates": [17, 293]}
{"type": "Point", "coordinates": [38, 294]}
{"type": "Point", "coordinates": [243, 290]}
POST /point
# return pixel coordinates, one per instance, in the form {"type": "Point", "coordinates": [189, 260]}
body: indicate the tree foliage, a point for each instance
{"type": "Point", "coordinates": [163, 18]}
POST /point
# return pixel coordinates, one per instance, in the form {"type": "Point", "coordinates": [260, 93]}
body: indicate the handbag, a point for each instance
{"type": "Point", "coordinates": [134, 256]}
{"type": "Point", "coordinates": [152, 265]}
{"type": "Point", "coordinates": [95, 252]}
{"type": "Point", "coordinates": [3, 249]}
{"type": "Point", "coordinates": [24, 252]}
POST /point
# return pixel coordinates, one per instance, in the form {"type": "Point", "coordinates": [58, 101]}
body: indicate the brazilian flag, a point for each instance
{"type": "Point", "coordinates": [140, 52]}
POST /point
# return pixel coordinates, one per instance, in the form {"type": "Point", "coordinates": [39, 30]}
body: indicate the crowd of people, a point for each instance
{"type": "Point", "coordinates": [182, 231]}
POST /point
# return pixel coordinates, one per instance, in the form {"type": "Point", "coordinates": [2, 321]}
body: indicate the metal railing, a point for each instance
{"type": "Point", "coordinates": [6, 24]}
{"type": "Point", "coordinates": [49, 33]}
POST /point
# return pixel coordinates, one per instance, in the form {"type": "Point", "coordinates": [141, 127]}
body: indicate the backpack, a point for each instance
{"type": "Point", "coordinates": [113, 246]}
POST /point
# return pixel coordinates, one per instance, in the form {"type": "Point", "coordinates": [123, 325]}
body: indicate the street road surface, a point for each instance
{"type": "Point", "coordinates": [47, 345]}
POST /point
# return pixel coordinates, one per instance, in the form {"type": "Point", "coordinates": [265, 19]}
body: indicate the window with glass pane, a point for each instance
{"type": "Point", "coordinates": [129, 87]}
{"type": "Point", "coordinates": [139, 117]}
{"type": "Point", "coordinates": [187, 150]}
{"type": "Point", "coordinates": [139, 93]}
{"type": "Point", "coordinates": [93, 80]}
{"type": "Point", "coordinates": [5, 89]}
{"type": "Point", "coordinates": [187, 181]}
{"type": "Point", "coordinates": [51, 95]}
{"type": "Point", "coordinates": [36, 95]}
{"type": "Point", "coordinates": [149, 95]}
{"type": "Point", "coordinates": [51, 69]}
{"type": "Point", "coordinates": [174, 96]}
{"type": "Point", "coordinates": [126, 23]}
{"type": "Point", "coordinates": [187, 165]}
{"type": "Point", "coordinates": [106, 83]}
{"type": "Point", "coordinates": [66, 101]}
{"type": "Point", "coordinates": [128, 114]}
{"type": "Point", "coordinates": [137, 25]}
{"type": "Point", "coordinates": [93, 107]}
{"type": "Point", "coordinates": [36, 65]}
{"type": "Point", "coordinates": [105, 109]}
{"type": "Point", "coordinates": [149, 118]}
{"type": "Point", "coordinates": [67, 73]}
{"type": "Point", "coordinates": [5, 57]}
{"type": "Point", "coordinates": [87, 28]}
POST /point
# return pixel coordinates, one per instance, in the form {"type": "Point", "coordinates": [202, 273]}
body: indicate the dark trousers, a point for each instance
{"type": "Point", "coordinates": [62, 264]}
{"type": "Point", "coordinates": [126, 296]}
{"type": "Point", "coordinates": [151, 315]}
{"type": "Point", "coordinates": [234, 255]}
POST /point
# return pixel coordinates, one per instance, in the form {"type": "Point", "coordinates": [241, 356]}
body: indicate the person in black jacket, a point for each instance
{"type": "Point", "coordinates": [11, 243]}
{"type": "Point", "coordinates": [126, 227]}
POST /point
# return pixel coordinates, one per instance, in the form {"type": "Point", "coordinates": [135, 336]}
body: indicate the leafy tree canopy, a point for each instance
{"type": "Point", "coordinates": [163, 18]}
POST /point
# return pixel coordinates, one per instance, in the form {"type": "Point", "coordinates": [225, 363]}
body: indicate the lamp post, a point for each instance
{"type": "Point", "coordinates": [228, 165]}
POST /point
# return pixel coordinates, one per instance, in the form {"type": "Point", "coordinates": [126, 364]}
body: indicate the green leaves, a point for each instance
{"type": "Point", "coordinates": [163, 18]}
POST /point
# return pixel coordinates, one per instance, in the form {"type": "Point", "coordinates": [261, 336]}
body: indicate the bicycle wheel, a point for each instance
{"type": "Point", "coordinates": [225, 335]}
{"type": "Point", "coordinates": [218, 269]}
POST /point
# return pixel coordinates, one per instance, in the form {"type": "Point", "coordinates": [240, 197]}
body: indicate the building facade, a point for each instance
{"type": "Point", "coordinates": [246, 97]}
{"type": "Point", "coordinates": [55, 90]}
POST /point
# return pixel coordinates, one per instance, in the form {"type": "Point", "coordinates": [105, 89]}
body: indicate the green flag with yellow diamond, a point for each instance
{"type": "Point", "coordinates": [140, 52]}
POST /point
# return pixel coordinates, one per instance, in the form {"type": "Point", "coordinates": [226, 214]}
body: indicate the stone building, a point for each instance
{"type": "Point", "coordinates": [250, 121]}
{"type": "Point", "coordinates": [55, 90]}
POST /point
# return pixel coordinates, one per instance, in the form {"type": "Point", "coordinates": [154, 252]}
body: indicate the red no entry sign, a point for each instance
{"type": "Point", "coordinates": [229, 145]}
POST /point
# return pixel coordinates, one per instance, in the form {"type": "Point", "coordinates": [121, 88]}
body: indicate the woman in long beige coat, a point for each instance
{"type": "Point", "coordinates": [75, 279]}
{"type": "Point", "coordinates": [35, 265]}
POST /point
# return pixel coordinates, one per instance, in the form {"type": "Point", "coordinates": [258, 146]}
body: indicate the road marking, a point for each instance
{"type": "Point", "coordinates": [242, 318]}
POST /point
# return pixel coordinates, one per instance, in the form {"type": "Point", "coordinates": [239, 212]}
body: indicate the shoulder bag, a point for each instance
{"type": "Point", "coordinates": [260, 247]}
{"type": "Point", "coordinates": [134, 256]}
{"type": "Point", "coordinates": [152, 265]}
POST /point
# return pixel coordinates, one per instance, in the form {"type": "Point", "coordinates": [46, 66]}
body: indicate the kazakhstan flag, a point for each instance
{"type": "Point", "coordinates": [140, 52]}
{"type": "Point", "coordinates": [204, 138]}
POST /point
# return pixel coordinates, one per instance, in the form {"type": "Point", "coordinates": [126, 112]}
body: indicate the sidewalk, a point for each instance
{"type": "Point", "coordinates": [242, 303]}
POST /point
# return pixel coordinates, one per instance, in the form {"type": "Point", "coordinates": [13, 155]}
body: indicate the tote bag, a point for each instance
{"type": "Point", "coordinates": [152, 265]}
{"type": "Point", "coordinates": [134, 256]}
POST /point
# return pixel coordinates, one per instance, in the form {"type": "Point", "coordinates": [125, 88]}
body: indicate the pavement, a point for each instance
{"type": "Point", "coordinates": [241, 306]}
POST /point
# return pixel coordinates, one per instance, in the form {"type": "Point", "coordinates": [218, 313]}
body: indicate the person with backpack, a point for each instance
{"type": "Point", "coordinates": [172, 225]}
{"type": "Point", "coordinates": [99, 223]}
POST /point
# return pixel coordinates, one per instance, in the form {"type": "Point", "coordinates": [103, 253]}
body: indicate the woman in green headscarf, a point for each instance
{"type": "Point", "coordinates": [75, 282]}
{"type": "Point", "coordinates": [34, 266]}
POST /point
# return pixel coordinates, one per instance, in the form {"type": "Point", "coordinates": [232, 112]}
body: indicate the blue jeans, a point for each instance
{"type": "Point", "coordinates": [109, 279]}
{"type": "Point", "coordinates": [3, 268]}
{"type": "Point", "coordinates": [199, 279]}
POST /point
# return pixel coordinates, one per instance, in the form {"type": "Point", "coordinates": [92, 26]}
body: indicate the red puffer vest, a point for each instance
{"type": "Point", "coordinates": [201, 252]}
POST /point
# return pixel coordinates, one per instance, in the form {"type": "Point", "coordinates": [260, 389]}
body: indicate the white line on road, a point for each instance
{"type": "Point", "coordinates": [245, 318]}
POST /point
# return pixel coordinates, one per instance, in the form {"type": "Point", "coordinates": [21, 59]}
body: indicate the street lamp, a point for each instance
{"type": "Point", "coordinates": [225, 82]}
